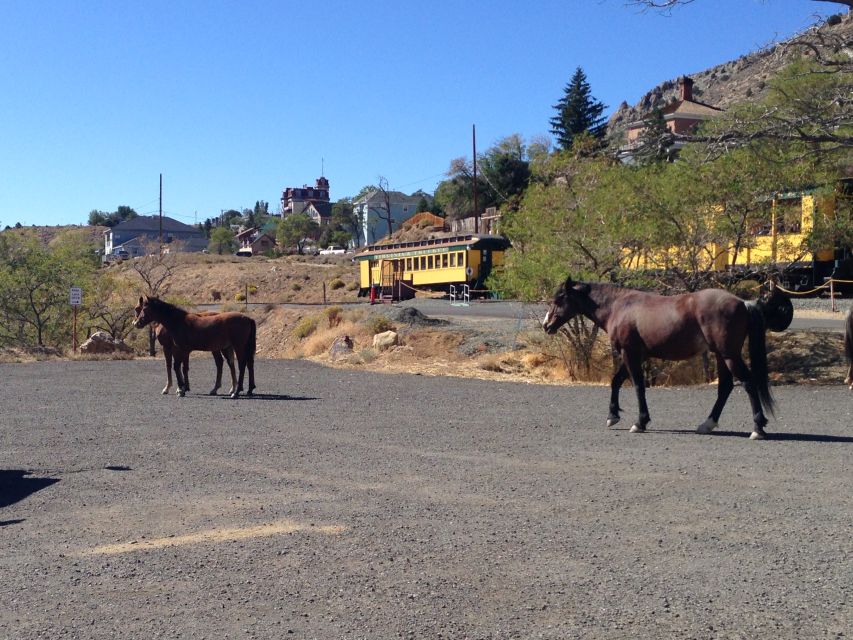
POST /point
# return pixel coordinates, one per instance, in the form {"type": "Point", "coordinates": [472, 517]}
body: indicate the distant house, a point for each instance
{"type": "Point", "coordinates": [255, 241]}
{"type": "Point", "coordinates": [371, 210]}
{"type": "Point", "coordinates": [296, 199]}
{"type": "Point", "coordinates": [681, 116]}
{"type": "Point", "coordinates": [132, 235]}
{"type": "Point", "coordinates": [319, 212]}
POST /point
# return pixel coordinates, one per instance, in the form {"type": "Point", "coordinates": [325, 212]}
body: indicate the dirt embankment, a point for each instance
{"type": "Point", "coordinates": [464, 346]}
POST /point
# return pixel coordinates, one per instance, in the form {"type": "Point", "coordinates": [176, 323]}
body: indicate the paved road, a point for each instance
{"type": "Point", "coordinates": [513, 310]}
{"type": "Point", "coordinates": [341, 504]}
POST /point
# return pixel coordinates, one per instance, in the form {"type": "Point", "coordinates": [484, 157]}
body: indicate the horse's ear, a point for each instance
{"type": "Point", "coordinates": [569, 282]}
{"type": "Point", "coordinates": [141, 301]}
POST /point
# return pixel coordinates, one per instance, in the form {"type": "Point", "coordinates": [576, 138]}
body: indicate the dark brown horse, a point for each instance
{"type": "Point", "coordinates": [182, 360]}
{"type": "Point", "coordinates": [848, 347]}
{"type": "Point", "coordinates": [646, 325]}
{"type": "Point", "coordinates": [194, 332]}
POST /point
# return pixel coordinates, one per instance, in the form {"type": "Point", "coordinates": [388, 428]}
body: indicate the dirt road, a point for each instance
{"type": "Point", "coordinates": [340, 504]}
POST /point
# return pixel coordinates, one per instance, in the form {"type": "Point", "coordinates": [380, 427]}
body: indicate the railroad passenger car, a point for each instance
{"type": "Point", "coordinates": [397, 270]}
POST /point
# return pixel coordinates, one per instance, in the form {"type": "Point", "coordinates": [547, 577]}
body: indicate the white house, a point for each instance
{"type": "Point", "coordinates": [372, 210]}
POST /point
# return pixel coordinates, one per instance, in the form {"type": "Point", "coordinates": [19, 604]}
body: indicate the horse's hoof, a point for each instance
{"type": "Point", "coordinates": [707, 427]}
{"type": "Point", "coordinates": [181, 394]}
{"type": "Point", "coordinates": [635, 428]}
{"type": "Point", "coordinates": [757, 435]}
{"type": "Point", "coordinates": [165, 391]}
{"type": "Point", "coordinates": [212, 393]}
{"type": "Point", "coordinates": [234, 395]}
{"type": "Point", "coordinates": [612, 421]}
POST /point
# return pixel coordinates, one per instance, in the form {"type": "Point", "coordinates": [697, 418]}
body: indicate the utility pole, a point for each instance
{"type": "Point", "coordinates": [161, 214]}
{"type": "Point", "coordinates": [476, 210]}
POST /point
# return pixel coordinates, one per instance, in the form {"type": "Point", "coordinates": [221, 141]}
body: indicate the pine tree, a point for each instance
{"type": "Point", "coordinates": [577, 112]}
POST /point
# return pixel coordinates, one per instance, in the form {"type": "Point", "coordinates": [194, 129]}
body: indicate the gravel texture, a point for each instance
{"type": "Point", "coordinates": [343, 504]}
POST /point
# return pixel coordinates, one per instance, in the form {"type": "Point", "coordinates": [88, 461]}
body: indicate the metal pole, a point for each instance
{"type": "Point", "coordinates": [74, 331]}
{"type": "Point", "coordinates": [161, 214]}
{"type": "Point", "coordinates": [476, 214]}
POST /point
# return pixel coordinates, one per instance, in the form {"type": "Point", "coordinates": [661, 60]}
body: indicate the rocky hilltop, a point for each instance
{"type": "Point", "coordinates": [731, 82]}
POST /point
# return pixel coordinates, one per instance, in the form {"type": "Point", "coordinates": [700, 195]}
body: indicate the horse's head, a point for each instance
{"type": "Point", "coordinates": [143, 312]}
{"type": "Point", "coordinates": [566, 305]}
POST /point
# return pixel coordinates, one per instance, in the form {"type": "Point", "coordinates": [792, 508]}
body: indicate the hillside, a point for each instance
{"type": "Point", "coordinates": [731, 82]}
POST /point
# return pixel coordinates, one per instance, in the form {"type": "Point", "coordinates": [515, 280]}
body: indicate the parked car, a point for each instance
{"type": "Point", "coordinates": [333, 249]}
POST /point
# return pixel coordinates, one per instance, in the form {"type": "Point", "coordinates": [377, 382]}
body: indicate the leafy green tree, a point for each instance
{"type": "Point", "coordinates": [577, 112]}
{"type": "Point", "coordinates": [503, 173]}
{"type": "Point", "coordinates": [295, 229]}
{"type": "Point", "coordinates": [655, 143]}
{"type": "Point", "coordinates": [34, 285]}
{"type": "Point", "coordinates": [106, 219]}
{"type": "Point", "coordinates": [222, 241]}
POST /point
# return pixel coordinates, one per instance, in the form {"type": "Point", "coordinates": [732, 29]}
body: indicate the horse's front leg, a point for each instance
{"type": "Point", "coordinates": [724, 389]}
{"type": "Point", "coordinates": [615, 385]}
{"type": "Point", "coordinates": [849, 378]}
{"type": "Point", "coordinates": [634, 364]}
{"type": "Point", "coordinates": [167, 355]}
{"type": "Point", "coordinates": [217, 358]}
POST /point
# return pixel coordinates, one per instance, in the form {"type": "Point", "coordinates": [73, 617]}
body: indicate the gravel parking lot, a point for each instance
{"type": "Point", "coordinates": [344, 504]}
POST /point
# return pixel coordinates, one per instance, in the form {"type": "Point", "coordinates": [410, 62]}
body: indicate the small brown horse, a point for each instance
{"type": "Point", "coordinates": [182, 360]}
{"type": "Point", "coordinates": [646, 325]}
{"type": "Point", "coordinates": [194, 332]}
{"type": "Point", "coordinates": [848, 347]}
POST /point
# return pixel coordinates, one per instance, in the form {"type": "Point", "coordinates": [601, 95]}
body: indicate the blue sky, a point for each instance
{"type": "Point", "coordinates": [232, 101]}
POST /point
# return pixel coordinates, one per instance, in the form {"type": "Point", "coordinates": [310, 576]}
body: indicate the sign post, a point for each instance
{"type": "Point", "coordinates": [75, 298]}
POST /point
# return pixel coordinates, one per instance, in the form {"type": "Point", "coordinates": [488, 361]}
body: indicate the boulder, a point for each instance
{"type": "Point", "coordinates": [103, 342]}
{"type": "Point", "coordinates": [341, 347]}
{"type": "Point", "coordinates": [385, 340]}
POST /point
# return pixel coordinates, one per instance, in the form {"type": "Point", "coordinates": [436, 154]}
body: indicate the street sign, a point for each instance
{"type": "Point", "coordinates": [75, 296]}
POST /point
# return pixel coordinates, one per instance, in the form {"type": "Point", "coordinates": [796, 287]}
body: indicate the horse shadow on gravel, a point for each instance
{"type": "Point", "coordinates": [15, 485]}
{"type": "Point", "coordinates": [779, 436]}
{"type": "Point", "coordinates": [261, 396]}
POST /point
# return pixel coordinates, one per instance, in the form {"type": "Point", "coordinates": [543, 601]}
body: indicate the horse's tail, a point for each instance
{"type": "Point", "coordinates": [758, 357]}
{"type": "Point", "coordinates": [253, 342]}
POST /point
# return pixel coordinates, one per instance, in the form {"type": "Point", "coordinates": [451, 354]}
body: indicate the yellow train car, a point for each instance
{"type": "Point", "coordinates": [396, 271]}
{"type": "Point", "coordinates": [777, 243]}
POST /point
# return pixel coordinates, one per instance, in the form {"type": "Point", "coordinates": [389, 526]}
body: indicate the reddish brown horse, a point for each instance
{"type": "Point", "coordinates": [194, 332]}
{"type": "Point", "coordinates": [848, 347]}
{"type": "Point", "coordinates": [646, 325]}
{"type": "Point", "coordinates": [182, 360]}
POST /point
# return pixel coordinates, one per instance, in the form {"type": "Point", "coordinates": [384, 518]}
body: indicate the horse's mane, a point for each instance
{"type": "Point", "coordinates": [166, 308]}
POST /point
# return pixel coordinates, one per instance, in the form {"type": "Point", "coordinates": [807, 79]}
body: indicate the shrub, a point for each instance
{"type": "Point", "coordinates": [296, 286]}
{"type": "Point", "coordinates": [253, 289]}
{"type": "Point", "coordinates": [240, 296]}
{"type": "Point", "coordinates": [333, 315]}
{"type": "Point", "coordinates": [337, 283]}
{"type": "Point", "coordinates": [378, 324]}
{"type": "Point", "coordinates": [352, 286]}
{"type": "Point", "coordinates": [305, 327]}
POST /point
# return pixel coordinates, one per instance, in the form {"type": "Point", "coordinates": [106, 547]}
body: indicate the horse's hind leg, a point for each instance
{"type": "Point", "coordinates": [741, 372]}
{"type": "Point", "coordinates": [228, 353]}
{"type": "Point", "coordinates": [634, 364]}
{"type": "Point", "coordinates": [217, 358]}
{"type": "Point", "coordinates": [724, 389]}
{"type": "Point", "coordinates": [179, 376]}
{"type": "Point", "coordinates": [615, 384]}
{"type": "Point", "coordinates": [241, 364]}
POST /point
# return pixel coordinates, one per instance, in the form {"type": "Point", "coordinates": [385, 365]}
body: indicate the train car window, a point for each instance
{"type": "Point", "coordinates": [452, 259]}
{"type": "Point", "coordinates": [423, 262]}
{"type": "Point", "coordinates": [461, 260]}
{"type": "Point", "coordinates": [444, 260]}
{"type": "Point", "coordinates": [408, 264]}
{"type": "Point", "coordinates": [429, 262]}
